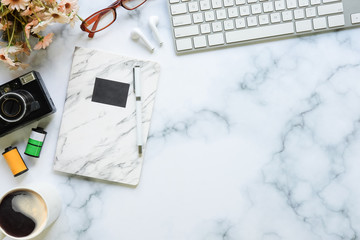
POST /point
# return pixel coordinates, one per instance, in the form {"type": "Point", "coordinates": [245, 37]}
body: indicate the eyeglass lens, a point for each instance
{"type": "Point", "coordinates": [131, 4]}
{"type": "Point", "coordinates": [101, 20]}
{"type": "Point", "coordinates": [104, 18]}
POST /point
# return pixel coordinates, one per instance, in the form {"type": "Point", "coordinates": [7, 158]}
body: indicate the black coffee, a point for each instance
{"type": "Point", "coordinates": [21, 212]}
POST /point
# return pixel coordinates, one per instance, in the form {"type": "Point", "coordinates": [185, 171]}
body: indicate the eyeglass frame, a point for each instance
{"type": "Point", "coordinates": [112, 7]}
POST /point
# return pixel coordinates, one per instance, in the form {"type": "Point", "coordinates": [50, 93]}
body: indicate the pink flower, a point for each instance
{"type": "Point", "coordinates": [6, 25]}
{"type": "Point", "coordinates": [28, 27]}
{"type": "Point", "coordinates": [23, 48]}
{"type": "Point", "coordinates": [41, 26]}
{"type": "Point", "coordinates": [16, 4]}
{"type": "Point", "coordinates": [50, 1]}
{"type": "Point", "coordinates": [31, 9]}
{"type": "Point", "coordinates": [57, 16]}
{"type": "Point", "coordinates": [44, 42]}
{"type": "Point", "coordinates": [68, 6]}
{"type": "Point", "coordinates": [5, 58]}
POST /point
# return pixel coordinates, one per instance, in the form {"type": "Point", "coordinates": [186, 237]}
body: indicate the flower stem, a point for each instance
{"type": "Point", "coordinates": [26, 39]}
{"type": "Point", "coordinates": [22, 23]}
{"type": "Point", "coordinates": [4, 13]}
{"type": "Point", "coordinates": [37, 17]}
{"type": "Point", "coordinates": [13, 33]}
{"type": "Point", "coordinates": [79, 18]}
{"type": "Point", "coordinates": [41, 3]}
{"type": "Point", "coordinates": [7, 27]}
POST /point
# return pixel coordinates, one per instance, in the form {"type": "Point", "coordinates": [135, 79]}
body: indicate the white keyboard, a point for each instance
{"type": "Point", "coordinates": [210, 24]}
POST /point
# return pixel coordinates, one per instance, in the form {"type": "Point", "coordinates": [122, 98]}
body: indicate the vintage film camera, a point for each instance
{"type": "Point", "coordinates": [23, 101]}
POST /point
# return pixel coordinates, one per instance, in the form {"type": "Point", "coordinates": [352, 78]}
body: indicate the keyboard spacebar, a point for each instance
{"type": "Point", "coordinates": [259, 32]}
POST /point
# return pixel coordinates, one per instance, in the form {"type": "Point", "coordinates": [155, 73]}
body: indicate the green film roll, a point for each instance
{"type": "Point", "coordinates": [35, 143]}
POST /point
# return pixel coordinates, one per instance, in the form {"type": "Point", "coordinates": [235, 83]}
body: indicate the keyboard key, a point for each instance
{"type": "Point", "coordinates": [193, 7]}
{"type": "Point", "coordinates": [336, 21]}
{"type": "Point", "coordinates": [240, 22]}
{"type": "Point", "coordinates": [198, 17]}
{"type": "Point", "coordinates": [205, 28]}
{"type": "Point", "coordinates": [310, 12]}
{"type": "Point", "coordinates": [291, 4]}
{"type": "Point", "coordinates": [255, 8]}
{"type": "Point", "coordinates": [204, 5]}
{"type": "Point", "coordinates": [275, 17]}
{"type": "Point", "coordinates": [315, 2]}
{"type": "Point", "coordinates": [216, 39]}
{"type": "Point", "coordinates": [174, 1]}
{"type": "Point", "coordinates": [186, 31]}
{"type": "Point", "coordinates": [178, 8]}
{"type": "Point", "coordinates": [229, 25]}
{"type": "Point", "coordinates": [233, 12]}
{"type": "Point", "coordinates": [259, 32]}
{"type": "Point", "coordinates": [216, 3]}
{"type": "Point", "coordinates": [303, 26]}
{"type": "Point", "coordinates": [303, 3]}
{"type": "Point", "coordinates": [319, 23]}
{"type": "Point", "coordinates": [264, 19]}
{"type": "Point", "coordinates": [239, 2]}
{"type": "Point", "coordinates": [252, 21]}
{"type": "Point", "coordinates": [228, 3]}
{"type": "Point", "coordinates": [183, 44]}
{"type": "Point", "coordinates": [216, 26]}
{"type": "Point", "coordinates": [209, 16]}
{"type": "Point", "coordinates": [330, 9]}
{"type": "Point", "coordinates": [330, 1]}
{"type": "Point", "coordinates": [181, 20]}
{"type": "Point", "coordinates": [221, 14]}
{"type": "Point", "coordinates": [355, 18]}
{"type": "Point", "coordinates": [287, 16]}
{"type": "Point", "coordinates": [244, 11]}
{"type": "Point", "coordinates": [279, 5]}
{"type": "Point", "coordinates": [199, 41]}
{"type": "Point", "coordinates": [299, 13]}
{"type": "Point", "coordinates": [268, 7]}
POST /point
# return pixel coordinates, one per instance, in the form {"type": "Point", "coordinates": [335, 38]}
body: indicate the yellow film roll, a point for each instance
{"type": "Point", "coordinates": [15, 161]}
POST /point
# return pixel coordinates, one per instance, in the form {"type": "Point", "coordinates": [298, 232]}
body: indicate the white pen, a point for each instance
{"type": "Point", "coordinates": [137, 90]}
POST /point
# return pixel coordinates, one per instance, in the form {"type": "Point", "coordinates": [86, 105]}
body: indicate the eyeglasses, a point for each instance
{"type": "Point", "coordinates": [107, 16]}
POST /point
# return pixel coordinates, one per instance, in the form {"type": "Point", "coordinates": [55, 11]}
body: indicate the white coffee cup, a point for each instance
{"type": "Point", "coordinates": [40, 203]}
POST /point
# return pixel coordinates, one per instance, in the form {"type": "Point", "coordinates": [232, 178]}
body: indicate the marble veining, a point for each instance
{"type": "Point", "coordinates": [260, 142]}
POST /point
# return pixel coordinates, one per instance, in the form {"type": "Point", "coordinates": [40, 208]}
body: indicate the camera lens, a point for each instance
{"type": "Point", "coordinates": [11, 107]}
{"type": "Point", "coordinates": [15, 105]}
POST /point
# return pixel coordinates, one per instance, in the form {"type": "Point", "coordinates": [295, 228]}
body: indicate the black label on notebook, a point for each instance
{"type": "Point", "coordinates": [110, 92]}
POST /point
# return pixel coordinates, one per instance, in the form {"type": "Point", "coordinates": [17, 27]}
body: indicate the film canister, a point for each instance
{"type": "Point", "coordinates": [15, 161]}
{"type": "Point", "coordinates": [35, 143]}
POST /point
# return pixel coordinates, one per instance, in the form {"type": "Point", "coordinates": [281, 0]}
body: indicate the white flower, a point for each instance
{"type": "Point", "coordinates": [41, 26]}
{"type": "Point", "coordinates": [4, 57]}
{"type": "Point", "coordinates": [14, 49]}
{"type": "Point", "coordinates": [68, 6]}
{"type": "Point", "coordinates": [16, 4]}
{"type": "Point", "coordinates": [57, 16]}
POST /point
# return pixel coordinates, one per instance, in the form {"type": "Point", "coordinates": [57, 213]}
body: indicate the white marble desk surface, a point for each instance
{"type": "Point", "coordinates": [255, 142]}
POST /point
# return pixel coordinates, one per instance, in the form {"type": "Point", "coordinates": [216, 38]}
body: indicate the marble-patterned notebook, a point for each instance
{"type": "Point", "coordinates": [97, 136]}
